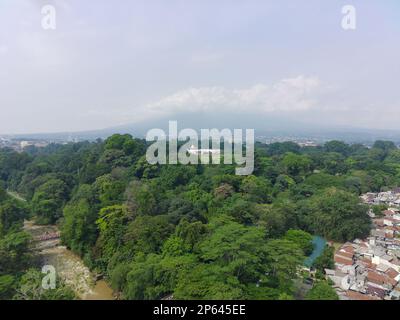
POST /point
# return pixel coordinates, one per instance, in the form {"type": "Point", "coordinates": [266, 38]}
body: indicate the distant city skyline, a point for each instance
{"type": "Point", "coordinates": [109, 64]}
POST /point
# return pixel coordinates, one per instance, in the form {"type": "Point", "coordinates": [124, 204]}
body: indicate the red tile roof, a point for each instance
{"type": "Point", "coordinates": [379, 222]}
{"type": "Point", "coordinates": [344, 254]}
{"type": "Point", "coordinates": [347, 248]}
{"type": "Point", "coordinates": [375, 277]}
{"type": "Point", "coordinates": [368, 263]}
{"type": "Point", "coordinates": [343, 260]}
{"type": "Point", "coordinates": [380, 279]}
{"type": "Point", "coordinates": [388, 213]}
{"type": "Point", "coordinates": [391, 281]}
{"type": "Point", "coordinates": [359, 296]}
{"type": "Point", "coordinates": [392, 273]}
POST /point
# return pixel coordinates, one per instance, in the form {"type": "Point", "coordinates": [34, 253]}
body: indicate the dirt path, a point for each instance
{"type": "Point", "coordinates": [15, 195]}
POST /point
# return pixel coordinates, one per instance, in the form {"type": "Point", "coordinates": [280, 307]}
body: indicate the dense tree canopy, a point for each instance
{"type": "Point", "coordinates": [192, 231]}
{"type": "Point", "coordinates": [322, 291]}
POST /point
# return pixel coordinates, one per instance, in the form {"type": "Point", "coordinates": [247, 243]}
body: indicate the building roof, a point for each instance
{"type": "Point", "coordinates": [388, 212]}
{"type": "Point", "coordinates": [376, 291]}
{"type": "Point", "coordinates": [343, 260]}
{"type": "Point", "coordinates": [387, 257]}
{"type": "Point", "coordinates": [390, 281]}
{"type": "Point", "coordinates": [347, 249]}
{"type": "Point", "coordinates": [382, 267]}
{"type": "Point", "coordinates": [375, 277]}
{"type": "Point", "coordinates": [367, 263]}
{"type": "Point", "coordinates": [392, 273]}
{"type": "Point", "coordinates": [358, 296]}
{"type": "Point", "coordinates": [345, 254]}
{"type": "Point", "coordinates": [395, 262]}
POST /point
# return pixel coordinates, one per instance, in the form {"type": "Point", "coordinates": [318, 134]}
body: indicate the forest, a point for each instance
{"type": "Point", "coordinates": [187, 231]}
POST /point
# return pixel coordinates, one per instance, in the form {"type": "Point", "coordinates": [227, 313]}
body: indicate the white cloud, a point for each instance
{"type": "Point", "coordinates": [293, 94]}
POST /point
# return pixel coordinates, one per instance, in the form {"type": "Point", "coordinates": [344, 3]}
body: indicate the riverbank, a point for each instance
{"type": "Point", "coordinates": [70, 267]}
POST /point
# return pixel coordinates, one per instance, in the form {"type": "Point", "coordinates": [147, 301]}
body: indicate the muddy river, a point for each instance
{"type": "Point", "coordinates": [68, 265]}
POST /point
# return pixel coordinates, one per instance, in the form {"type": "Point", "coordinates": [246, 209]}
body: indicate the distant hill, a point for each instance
{"type": "Point", "coordinates": [265, 128]}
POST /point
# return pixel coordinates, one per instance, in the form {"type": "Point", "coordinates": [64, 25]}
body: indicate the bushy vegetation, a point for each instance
{"type": "Point", "coordinates": [322, 291]}
{"type": "Point", "coordinates": [20, 277]}
{"type": "Point", "coordinates": [193, 231]}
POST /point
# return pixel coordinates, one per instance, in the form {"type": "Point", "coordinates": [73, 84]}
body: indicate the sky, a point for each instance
{"type": "Point", "coordinates": [110, 63]}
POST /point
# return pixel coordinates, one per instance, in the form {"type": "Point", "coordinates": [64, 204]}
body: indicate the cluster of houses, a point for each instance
{"type": "Point", "coordinates": [369, 269]}
{"type": "Point", "coordinates": [19, 145]}
{"type": "Point", "coordinates": [389, 198]}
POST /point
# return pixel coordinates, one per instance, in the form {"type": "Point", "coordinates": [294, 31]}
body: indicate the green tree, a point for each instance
{"type": "Point", "coordinates": [110, 191]}
{"type": "Point", "coordinates": [322, 291]}
{"type": "Point", "coordinates": [302, 239]}
{"type": "Point", "coordinates": [334, 163]}
{"type": "Point", "coordinates": [141, 198]}
{"type": "Point", "coordinates": [112, 223]}
{"type": "Point", "coordinates": [325, 260]}
{"type": "Point", "coordinates": [378, 209]}
{"type": "Point", "coordinates": [296, 165]}
{"type": "Point", "coordinates": [48, 201]}
{"type": "Point", "coordinates": [118, 142]}
{"type": "Point", "coordinates": [7, 286]}
{"type": "Point", "coordinates": [11, 214]}
{"type": "Point", "coordinates": [208, 282]}
{"type": "Point", "coordinates": [191, 233]}
{"type": "Point", "coordinates": [273, 219]}
{"type": "Point", "coordinates": [283, 182]}
{"type": "Point", "coordinates": [146, 234]}
{"type": "Point", "coordinates": [237, 248]}
{"type": "Point", "coordinates": [338, 147]}
{"type": "Point", "coordinates": [154, 276]}
{"type": "Point", "coordinates": [258, 189]}
{"type": "Point", "coordinates": [283, 258]}
{"type": "Point", "coordinates": [30, 288]}
{"type": "Point", "coordinates": [338, 215]}
{"type": "Point", "coordinates": [15, 253]}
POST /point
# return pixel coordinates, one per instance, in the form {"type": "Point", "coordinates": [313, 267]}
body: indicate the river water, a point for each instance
{"type": "Point", "coordinates": [319, 246]}
{"type": "Point", "coordinates": [69, 266]}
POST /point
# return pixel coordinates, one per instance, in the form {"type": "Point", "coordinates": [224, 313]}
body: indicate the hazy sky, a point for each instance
{"type": "Point", "coordinates": [117, 62]}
